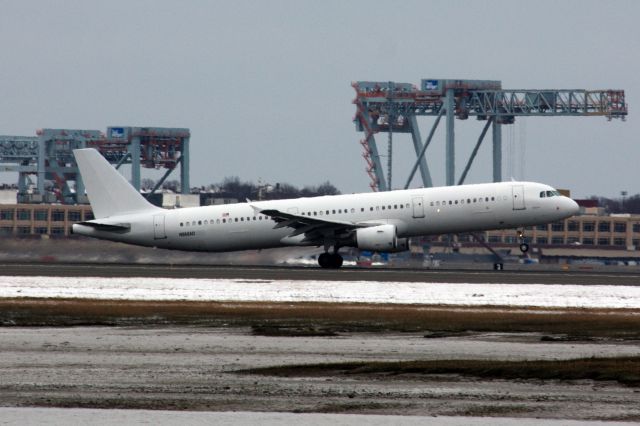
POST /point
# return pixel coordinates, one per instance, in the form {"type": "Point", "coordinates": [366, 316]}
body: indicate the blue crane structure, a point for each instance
{"type": "Point", "coordinates": [49, 157]}
{"type": "Point", "coordinates": [393, 108]}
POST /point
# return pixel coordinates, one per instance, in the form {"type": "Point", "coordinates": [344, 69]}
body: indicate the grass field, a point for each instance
{"type": "Point", "coordinates": [306, 319]}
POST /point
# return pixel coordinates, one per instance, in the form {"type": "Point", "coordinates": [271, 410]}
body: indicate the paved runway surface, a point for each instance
{"type": "Point", "coordinates": [312, 273]}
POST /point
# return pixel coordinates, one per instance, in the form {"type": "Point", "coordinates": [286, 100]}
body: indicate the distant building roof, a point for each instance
{"type": "Point", "coordinates": [588, 203]}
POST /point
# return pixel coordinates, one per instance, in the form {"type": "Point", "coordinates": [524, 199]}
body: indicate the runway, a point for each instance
{"type": "Point", "coordinates": [576, 276]}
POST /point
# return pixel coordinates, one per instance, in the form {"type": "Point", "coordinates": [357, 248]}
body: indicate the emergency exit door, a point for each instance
{"type": "Point", "coordinates": [517, 192]}
{"type": "Point", "coordinates": [158, 227]}
{"type": "Point", "coordinates": [418, 207]}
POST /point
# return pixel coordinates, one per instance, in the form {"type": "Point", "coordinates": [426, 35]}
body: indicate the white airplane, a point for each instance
{"type": "Point", "coordinates": [378, 221]}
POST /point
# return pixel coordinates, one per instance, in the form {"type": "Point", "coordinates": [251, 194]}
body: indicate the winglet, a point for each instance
{"type": "Point", "coordinates": [254, 207]}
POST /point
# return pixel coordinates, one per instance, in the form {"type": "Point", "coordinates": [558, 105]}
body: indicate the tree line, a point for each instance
{"type": "Point", "coordinates": [629, 204]}
{"type": "Point", "coordinates": [234, 187]}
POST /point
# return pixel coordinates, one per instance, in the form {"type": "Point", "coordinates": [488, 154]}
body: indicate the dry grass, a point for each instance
{"type": "Point", "coordinates": [326, 318]}
{"type": "Point", "coordinates": [624, 370]}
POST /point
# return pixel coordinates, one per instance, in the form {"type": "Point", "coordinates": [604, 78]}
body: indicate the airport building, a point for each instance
{"type": "Point", "coordinates": [24, 220]}
{"type": "Point", "coordinates": [593, 233]}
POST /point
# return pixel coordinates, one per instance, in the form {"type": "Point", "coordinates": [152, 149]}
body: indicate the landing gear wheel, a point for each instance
{"type": "Point", "coordinates": [336, 260]}
{"type": "Point", "coordinates": [330, 260]}
{"type": "Point", "coordinates": [498, 266]}
{"type": "Point", "coordinates": [324, 260]}
{"type": "Point", "coordinates": [524, 247]}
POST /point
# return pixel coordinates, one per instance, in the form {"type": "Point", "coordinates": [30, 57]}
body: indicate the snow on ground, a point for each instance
{"type": "Point", "coordinates": [569, 296]}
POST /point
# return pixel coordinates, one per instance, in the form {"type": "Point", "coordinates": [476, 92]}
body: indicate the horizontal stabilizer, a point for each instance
{"type": "Point", "coordinates": [110, 227]}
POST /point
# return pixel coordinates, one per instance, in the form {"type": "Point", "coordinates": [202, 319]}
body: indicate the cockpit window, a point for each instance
{"type": "Point", "coordinates": [553, 193]}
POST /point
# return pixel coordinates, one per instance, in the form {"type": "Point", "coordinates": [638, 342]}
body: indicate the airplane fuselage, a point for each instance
{"type": "Point", "coordinates": [413, 212]}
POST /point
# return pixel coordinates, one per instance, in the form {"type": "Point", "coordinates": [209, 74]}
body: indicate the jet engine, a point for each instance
{"type": "Point", "coordinates": [380, 238]}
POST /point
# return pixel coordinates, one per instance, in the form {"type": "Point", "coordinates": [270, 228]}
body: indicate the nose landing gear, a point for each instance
{"type": "Point", "coordinates": [524, 247]}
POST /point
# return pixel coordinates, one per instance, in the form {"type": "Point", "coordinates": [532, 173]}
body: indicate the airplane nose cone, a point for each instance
{"type": "Point", "coordinates": [572, 207]}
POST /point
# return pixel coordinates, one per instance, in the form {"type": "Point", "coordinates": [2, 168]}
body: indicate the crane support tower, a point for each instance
{"type": "Point", "coordinates": [49, 157]}
{"type": "Point", "coordinates": [393, 107]}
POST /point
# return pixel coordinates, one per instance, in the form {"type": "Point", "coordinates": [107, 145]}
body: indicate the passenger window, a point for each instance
{"type": "Point", "coordinates": [327, 211]}
{"type": "Point", "coordinates": [437, 203]}
{"type": "Point", "coordinates": [242, 219]}
{"type": "Point", "coordinates": [361, 209]}
{"type": "Point", "coordinates": [456, 201]}
{"type": "Point", "coordinates": [217, 220]}
{"type": "Point", "coordinates": [236, 219]}
{"type": "Point", "coordinates": [468, 200]}
{"type": "Point", "coordinates": [180, 223]}
{"type": "Point", "coordinates": [450, 202]}
{"type": "Point", "coordinates": [353, 210]}
{"type": "Point", "coordinates": [224, 220]}
{"type": "Point", "coordinates": [382, 207]}
{"type": "Point", "coordinates": [395, 206]}
{"type": "Point", "coordinates": [431, 204]}
{"type": "Point", "coordinates": [371, 208]}
{"type": "Point", "coordinates": [199, 222]}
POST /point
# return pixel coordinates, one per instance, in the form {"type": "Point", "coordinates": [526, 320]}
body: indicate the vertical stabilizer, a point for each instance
{"type": "Point", "coordinates": [109, 192]}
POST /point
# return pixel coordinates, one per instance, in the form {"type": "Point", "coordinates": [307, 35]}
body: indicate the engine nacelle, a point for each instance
{"type": "Point", "coordinates": [380, 238]}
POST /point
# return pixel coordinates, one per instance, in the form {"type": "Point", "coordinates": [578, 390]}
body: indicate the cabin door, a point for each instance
{"type": "Point", "coordinates": [158, 227]}
{"type": "Point", "coordinates": [418, 207]}
{"type": "Point", "coordinates": [517, 192]}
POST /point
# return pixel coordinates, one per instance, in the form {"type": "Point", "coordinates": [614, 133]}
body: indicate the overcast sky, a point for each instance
{"type": "Point", "coordinates": [265, 88]}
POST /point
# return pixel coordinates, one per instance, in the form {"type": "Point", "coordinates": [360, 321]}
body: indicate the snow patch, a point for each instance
{"type": "Point", "coordinates": [238, 290]}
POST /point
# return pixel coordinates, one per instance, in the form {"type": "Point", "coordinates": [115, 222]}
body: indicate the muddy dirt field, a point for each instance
{"type": "Point", "coordinates": [203, 357]}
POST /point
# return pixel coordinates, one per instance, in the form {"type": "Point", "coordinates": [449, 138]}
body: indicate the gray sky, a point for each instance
{"type": "Point", "coordinates": [264, 86]}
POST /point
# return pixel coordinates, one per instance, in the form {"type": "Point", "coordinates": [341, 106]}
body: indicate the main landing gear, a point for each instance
{"type": "Point", "coordinates": [330, 260]}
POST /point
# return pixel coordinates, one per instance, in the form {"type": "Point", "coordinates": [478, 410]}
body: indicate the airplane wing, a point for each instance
{"type": "Point", "coordinates": [314, 229]}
